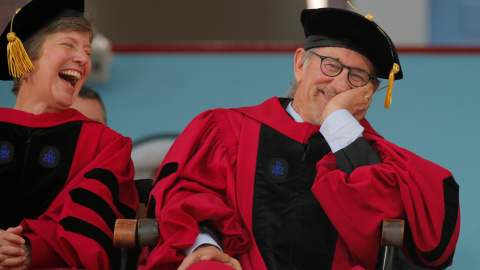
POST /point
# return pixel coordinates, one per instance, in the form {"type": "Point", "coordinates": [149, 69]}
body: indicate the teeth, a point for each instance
{"type": "Point", "coordinates": [73, 73]}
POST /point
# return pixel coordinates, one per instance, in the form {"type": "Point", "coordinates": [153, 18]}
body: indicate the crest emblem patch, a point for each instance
{"type": "Point", "coordinates": [277, 169]}
{"type": "Point", "coordinates": [49, 156]}
{"type": "Point", "coordinates": [6, 152]}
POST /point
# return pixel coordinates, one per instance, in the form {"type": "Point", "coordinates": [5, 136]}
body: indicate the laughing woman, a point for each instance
{"type": "Point", "coordinates": [64, 179]}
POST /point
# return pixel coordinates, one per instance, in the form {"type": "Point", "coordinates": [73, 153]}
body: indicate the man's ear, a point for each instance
{"type": "Point", "coordinates": [376, 84]}
{"type": "Point", "coordinates": [299, 64]}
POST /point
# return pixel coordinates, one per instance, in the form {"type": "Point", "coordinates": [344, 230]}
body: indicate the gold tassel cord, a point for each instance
{"type": "Point", "coordinates": [368, 16]}
{"type": "Point", "coordinates": [396, 67]}
{"type": "Point", "coordinates": [391, 77]}
{"type": "Point", "coordinates": [18, 61]}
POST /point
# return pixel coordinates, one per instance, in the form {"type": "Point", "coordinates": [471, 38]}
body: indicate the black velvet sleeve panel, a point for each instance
{"type": "Point", "coordinates": [357, 154]}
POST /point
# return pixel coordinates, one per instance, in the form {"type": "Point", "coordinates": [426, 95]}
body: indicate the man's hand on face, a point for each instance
{"type": "Point", "coordinates": [356, 101]}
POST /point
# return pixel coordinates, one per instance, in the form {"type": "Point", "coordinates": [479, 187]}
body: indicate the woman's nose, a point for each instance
{"type": "Point", "coordinates": [81, 57]}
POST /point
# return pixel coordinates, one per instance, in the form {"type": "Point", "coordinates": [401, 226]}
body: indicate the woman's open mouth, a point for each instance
{"type": "Point", "coordinates": [70, 76]}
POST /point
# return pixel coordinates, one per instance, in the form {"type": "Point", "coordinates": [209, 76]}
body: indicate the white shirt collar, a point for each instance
{"type": "Point", "coordinates": [293, 113]}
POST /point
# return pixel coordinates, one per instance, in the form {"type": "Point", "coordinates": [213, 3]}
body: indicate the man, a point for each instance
{"type": "Point", "coordinates": [304, 183]}
{"type": "Point", "coordinates": [90, 104]}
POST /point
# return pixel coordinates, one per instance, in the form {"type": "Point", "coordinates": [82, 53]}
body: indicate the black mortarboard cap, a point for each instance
{"type": "Point", "coordinates": [332, 27]}
{"type": "Point", "coordinates": [30, 19]}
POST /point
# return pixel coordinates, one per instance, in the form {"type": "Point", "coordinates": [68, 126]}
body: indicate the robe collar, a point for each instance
{"type": "Point", "coordinates": [273, 113]}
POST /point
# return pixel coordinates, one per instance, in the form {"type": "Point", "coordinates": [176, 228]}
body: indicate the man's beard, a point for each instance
{"type": "Point", "coordinates": [316, 108]}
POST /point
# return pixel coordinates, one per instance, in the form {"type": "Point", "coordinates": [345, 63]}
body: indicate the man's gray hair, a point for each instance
{"type": "Point", "coordinates": [307, 56]}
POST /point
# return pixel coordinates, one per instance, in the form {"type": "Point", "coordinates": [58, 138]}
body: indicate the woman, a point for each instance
{"type": "Point", "coordinates": [64, 179]}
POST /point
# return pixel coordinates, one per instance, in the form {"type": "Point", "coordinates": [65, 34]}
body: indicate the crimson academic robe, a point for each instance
{"type": "Point", "coordinates": [65, 179]}
{"type": "Point", "coordinates": [279, 198]}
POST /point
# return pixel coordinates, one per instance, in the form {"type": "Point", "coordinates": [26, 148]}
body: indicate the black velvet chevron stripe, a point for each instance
{"type": "Point", "coordinates": [447, 263]}
{"type": "Point", "coordinates": [96, 203]}
{"type": "Point", "coordinates": [451, 196]}
{"type": "Point", "coordinates": [451, 200]}
{"type": "Point", "coordinates": [410, 246]}
{"type": "Point", "coordinates": [107, 178]}
{"type": "Point", "coordinates": [166, 170]}
{"type": "Point", "coordinates": [151, 213]}
{"type": "Point", "coordinates": [151, 207]}
{"type": "Point", "coordinates": [86, 229]}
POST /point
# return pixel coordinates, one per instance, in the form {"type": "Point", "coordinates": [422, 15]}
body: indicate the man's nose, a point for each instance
{"type": "Point", "coordinates": [340, 82]}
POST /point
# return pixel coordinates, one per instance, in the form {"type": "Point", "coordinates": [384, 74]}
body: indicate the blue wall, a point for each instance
{"type": "Point", "coordinates": [454, 22]}
{"type": "Point", "coordinates": [434, 109]}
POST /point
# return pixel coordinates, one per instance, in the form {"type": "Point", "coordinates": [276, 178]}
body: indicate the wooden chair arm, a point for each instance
{"type": "Point", "coordinates": [392, 238]}
{"type": "Point", "coordinates": [133, 233]}
{"type": "Point", "coordinates": [392, 232]}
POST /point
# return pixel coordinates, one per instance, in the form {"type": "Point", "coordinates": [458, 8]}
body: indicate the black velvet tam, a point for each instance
{"type": "Point", "coordinates": [332, 27]}
{"type": "Point", "coordinates": [32, 18]}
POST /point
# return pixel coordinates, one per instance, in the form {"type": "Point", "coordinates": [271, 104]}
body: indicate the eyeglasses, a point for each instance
{"type": "Point", "coordinates": [332, 67]}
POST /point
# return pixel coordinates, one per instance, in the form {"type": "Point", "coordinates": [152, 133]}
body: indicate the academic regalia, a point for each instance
{"type": "Point", "coordinates": [279, 197]}
{"type": "Point", "coordinates": [65, 179]}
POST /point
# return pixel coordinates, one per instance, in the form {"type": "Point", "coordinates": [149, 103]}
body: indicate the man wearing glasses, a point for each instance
{"type": "Point", "coordinates": [304, 183]}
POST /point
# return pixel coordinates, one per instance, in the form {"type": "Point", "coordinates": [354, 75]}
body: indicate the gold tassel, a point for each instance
{"type": "Point", "coordinates": [391, 77]}
{"type": "Point", "coordinates": [395, 69]}
{"type": "Point", "coordinates": [18, 61]}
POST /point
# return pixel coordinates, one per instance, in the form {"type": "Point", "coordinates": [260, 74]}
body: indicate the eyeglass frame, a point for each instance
{"type": "Point", "coordinates": [342, 66]}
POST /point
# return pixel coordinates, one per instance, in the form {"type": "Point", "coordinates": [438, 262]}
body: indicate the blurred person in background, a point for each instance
{"type": "Point", "coordinates": [90, 104]}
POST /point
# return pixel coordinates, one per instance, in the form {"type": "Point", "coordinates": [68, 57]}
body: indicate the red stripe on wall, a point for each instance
{"type": "Point", "coordinates": [267, 47]}
{"type": "Point", "coordinates": [439, 50]}
{"type": "Point", "coordinates": [208, 47]}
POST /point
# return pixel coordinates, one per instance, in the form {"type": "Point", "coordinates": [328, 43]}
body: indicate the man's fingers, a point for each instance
{"type": "Point", "coordinates": [190, 259]}
{"type": "Point", "coordinates": [209, 253]}
{"type": "Point", "coordinates": [223, 258]}
{"type": "Point", "coordinates": [202, 253]}
{"type": "Point", "coordinates": [233, 263]}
